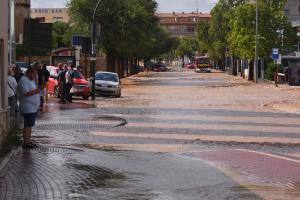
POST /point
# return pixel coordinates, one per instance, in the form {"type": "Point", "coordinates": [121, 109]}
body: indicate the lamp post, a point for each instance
{"type": "Point", "coordinates": [94, 49]}
{"type": "Point", "coordinates": [256, 46]}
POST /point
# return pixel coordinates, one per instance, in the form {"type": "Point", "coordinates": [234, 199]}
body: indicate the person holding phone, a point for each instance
{"type": "Point", "coordinates": [29, 104]}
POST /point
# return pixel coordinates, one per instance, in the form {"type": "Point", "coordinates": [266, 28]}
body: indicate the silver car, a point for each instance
{"type": "Point", "coordinates": [108, 83]}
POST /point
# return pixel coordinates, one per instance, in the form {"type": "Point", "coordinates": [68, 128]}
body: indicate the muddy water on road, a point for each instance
{"type": "Point", "coordinates": [170, 114]}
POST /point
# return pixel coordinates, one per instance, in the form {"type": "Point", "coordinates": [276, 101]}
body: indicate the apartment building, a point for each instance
{"type": "Point", "coordinates": [50, 15]}
{"type": "Point", "coordinates": [292, 10]}
{"type": "Point", "coordinates": [182, 24]}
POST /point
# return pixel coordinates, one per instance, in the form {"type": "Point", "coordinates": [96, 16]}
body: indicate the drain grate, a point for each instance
{"type": "Point", "coordinates": [73, 126]}
{"type": "Point", "coordinates": [50, 149]}
{"type": "Point", "coordinates": [98, 122]}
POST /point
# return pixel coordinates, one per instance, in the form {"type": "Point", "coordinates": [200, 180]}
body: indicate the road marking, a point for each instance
{"type": "Point", "coordinates": [270, 155]}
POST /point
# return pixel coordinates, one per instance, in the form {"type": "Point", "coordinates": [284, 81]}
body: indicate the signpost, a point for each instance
{"type": "Point", "coordinates": [275, 57]}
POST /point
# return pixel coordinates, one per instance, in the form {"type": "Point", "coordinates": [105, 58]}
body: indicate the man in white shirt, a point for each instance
{"type": "Point", "coordinates": [12, 92]}
{"type": "Point", "coordinates": [29, 104]}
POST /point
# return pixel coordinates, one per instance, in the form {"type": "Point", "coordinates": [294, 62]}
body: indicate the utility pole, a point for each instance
{"type": "Point", "coordinates": [94, 55]}
{"type": "Point", "coordinates": [256, 46]}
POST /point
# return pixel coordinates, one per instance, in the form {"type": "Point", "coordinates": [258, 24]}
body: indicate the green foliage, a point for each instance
{"type": "Point", "coordinates": [270, 72]}
{"type": "Point", "coordinates": [129, 28]}
{"type": "Point", "coordinates": [187, 47]}
{"type": "Point", "coordinates": [233, 26]}
{"type": "Point", "coordinates": [62, 33]}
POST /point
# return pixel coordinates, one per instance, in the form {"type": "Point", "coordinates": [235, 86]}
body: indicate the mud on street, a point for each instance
{"type": "Point", "coordinates": [173, 135]}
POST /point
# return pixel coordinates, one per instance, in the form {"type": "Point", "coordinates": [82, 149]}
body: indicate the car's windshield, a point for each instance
{"type": "Point", "coordinates": [202, 61]}
{"type": "Point", "coordinates": [77, 75]}
{"type": "Point", "coordinates": [107, 77]}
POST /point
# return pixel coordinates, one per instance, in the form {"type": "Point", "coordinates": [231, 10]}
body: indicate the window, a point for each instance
{"type": "Point", "coordinates": [52, 11]}
{"type": "Point", "coordinates": [46, 11]}
{"type": "Point", "coordinates": [60, 11]}
{"type": "Point", "coordinates": [191, 29]}
{"type": "Point", "coordinates": [55, 19]}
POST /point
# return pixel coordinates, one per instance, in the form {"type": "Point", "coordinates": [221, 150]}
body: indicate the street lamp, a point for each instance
{"type": "Point", "coordinates": [94, 49]}
{"type": "Point", "coordinates": [281, 34]}
{"type": "Point", "coordinates": [256, 46]}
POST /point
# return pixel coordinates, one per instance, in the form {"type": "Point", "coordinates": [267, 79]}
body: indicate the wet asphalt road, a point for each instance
{"type": "Point", "coordinates": [174, 135]}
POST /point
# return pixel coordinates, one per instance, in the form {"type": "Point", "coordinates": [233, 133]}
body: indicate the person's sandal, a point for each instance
{"type": "Point", "coordinates": [30, 145]}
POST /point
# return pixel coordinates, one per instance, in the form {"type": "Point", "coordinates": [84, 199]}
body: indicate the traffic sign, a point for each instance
{"type": "Point", "coordinates": [275, 53]}
{"type": "Point", "coordinates": [76, 40]}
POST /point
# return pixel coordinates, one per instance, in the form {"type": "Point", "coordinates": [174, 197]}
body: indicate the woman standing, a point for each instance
{"type": "Point", "coordinates": [12, 92]}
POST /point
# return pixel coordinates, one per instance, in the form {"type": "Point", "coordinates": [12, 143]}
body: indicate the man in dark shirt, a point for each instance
{"type": "Point", "coordinates": [69, 83]}
{"type": "Point", "coordinates": [62, 83]}
{"type": "Point", "coordinates": [17, 73]}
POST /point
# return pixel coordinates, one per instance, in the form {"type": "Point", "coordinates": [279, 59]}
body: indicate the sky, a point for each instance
{"type": "Point", "coordinates": [164, 5]}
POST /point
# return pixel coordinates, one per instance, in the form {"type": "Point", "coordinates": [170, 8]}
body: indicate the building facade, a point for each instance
{"type": "Point", "coordinates": [22, 12]}
{"type": "Point", "coordinates": [182, 24]}
{"type": "Point", "coordinates": [292, 10]}
{"type": "Point", "coordinates": [50, 15]}
{"type": "Point", "coordinates": [4, 111]}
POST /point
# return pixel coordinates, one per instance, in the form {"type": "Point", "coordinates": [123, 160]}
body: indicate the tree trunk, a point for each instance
{"type": "Point", "coordinates": [110, 62]}
{"type": "Point", "coordinates": [251, 71]}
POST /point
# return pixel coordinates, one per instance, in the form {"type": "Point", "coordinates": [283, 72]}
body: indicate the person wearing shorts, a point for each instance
{"type": "Point", "coordinates": [29, 104]}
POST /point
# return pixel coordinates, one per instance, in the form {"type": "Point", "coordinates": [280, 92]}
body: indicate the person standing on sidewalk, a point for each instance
{"type": "Point", "coordinates": [18, 73]}
{"type": "Point", "coordinates": [43, 78]}
{"type": "Point", "coordinates": [47, 76]}
{"type": "Point", "coordinates": [29, 104]}
{"type": "Point", "coordinates": [62, 83]}
{"type": "Point", "coordinates": [12, 92]}
{"type": "Point", "coordinates": [69, 83]}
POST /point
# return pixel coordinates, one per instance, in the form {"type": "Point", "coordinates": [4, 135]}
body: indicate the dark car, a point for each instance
{"type": "Point", "coordinates": [160, 67]}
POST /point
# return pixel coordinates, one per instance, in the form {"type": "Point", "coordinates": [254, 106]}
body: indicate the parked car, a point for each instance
{"type": "Point", "coordinates": [81, 86]}
{"type": "Point", "coordinates": [23, 66]}
{"type": "Point", "coordinates": [160, 67]}
{"type": "Point", "coordinates": [108, 83]}
{"type": "Point", "coordinates": [190, 66]}
{"type": "Point", "coordinates": [53, 82]}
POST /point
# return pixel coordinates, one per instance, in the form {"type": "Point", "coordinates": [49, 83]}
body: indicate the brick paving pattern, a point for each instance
{"type": "Point", "coordinates": [38, 175]}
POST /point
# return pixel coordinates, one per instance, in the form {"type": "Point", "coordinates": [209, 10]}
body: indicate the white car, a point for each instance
{"type": "Point", "coordinates": [108, 83]}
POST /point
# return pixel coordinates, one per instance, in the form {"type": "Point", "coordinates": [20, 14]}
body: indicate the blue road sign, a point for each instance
{"type": "Point", "coordinates": [76, 40]}
{"type": "Point", "coordinates": [275, 54]}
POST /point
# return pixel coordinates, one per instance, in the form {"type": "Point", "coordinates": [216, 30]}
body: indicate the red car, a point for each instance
{"type": "Point", "coordinates": [190, 66]}
{"type": "Point", "coordinates": [81, 84]}
{"type": "Point", "coordinates": [53, 83]}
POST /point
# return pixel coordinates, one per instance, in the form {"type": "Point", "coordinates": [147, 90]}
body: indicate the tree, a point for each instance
{"type": "Point", "coordinates": [187, 47]}
{"type": "Point", "coordinates": [129, 28]}
{"type": "Point", "coordinates": [271, 19]}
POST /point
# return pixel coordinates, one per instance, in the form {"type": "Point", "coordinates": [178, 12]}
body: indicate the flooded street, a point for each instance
{"type": "Point", "coordinates": [172, 136]}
